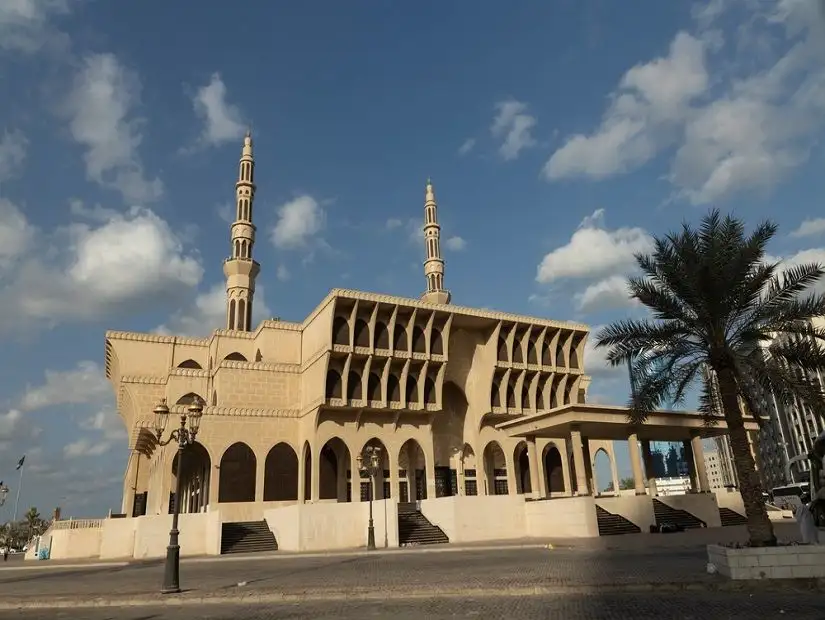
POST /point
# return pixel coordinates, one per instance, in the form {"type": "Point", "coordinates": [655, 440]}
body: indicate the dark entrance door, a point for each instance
{"type": "Point", "coordinates": [420, 484]}
{"type": "Point", "coordinates": [139, 507]}
{"type": "Point", "coordinates": [445, 482]}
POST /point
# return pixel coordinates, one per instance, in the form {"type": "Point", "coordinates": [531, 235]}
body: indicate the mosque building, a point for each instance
{"type": "Point", "coordinates": [466, 405]}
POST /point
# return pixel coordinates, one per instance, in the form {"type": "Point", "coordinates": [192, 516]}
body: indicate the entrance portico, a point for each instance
{"type": "Point", "coordinates": [581, 422]}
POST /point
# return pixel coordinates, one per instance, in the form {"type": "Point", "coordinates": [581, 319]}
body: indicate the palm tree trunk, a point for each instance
{"type": "Point", "coordinates": [760, 528]}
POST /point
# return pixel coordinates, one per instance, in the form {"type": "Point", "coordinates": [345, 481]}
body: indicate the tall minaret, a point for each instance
{"type": "Point", "coordinates": [434, 264]}
{"type": "Point", "coordinates": [240, 270]}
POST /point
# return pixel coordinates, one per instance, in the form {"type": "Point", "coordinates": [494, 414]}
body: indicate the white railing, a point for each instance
{"type": "Point", "coordinates": [78, 524]}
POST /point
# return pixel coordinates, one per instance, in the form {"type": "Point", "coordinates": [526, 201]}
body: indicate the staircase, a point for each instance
{"type": "Point", "coordinates": [681, 518]}
{"type": "Point", "coordinates": [415, 529]}
{"type": "Point", "coordinates": [247, 537]}
{"type": "Point", "coordinates": [731, 517]}
{"type": "Point", "coordinates": [612, 524]}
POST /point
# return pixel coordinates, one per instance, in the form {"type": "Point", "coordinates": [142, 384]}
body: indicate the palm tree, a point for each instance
{"type": "Point", "coordinates": [726, 318]}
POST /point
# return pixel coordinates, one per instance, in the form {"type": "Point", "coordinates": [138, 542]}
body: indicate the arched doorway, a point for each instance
{"type": "Point", "coordinates": [281, 474]}
{"type": "Point", "coordinates": [495, 469]}
{"type": "Point", "coordinates": [602, 473]}
{"type": "Point", "coordinates": [195, 476]}
{"type": "Point", "coordinates": [237, 477]}
{"type": "Point", "coordinates": [307, 456]}
{"type": "Point", "coordinates": [448, 439]}
{"type": "Point", "coordinates": [334, 471]}
{"type": "Point", "coordinates": [553, 470]}
{"type": "Point", "coordinates": [521, 459]}
{"type": "Point", "coordinates": [412, 478]}
{"type": "Point", "coordinates": [381, 490]}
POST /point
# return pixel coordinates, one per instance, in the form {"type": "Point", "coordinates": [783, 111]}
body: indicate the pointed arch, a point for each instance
{"type": "Point", "coordinates": [373, 387]}
{"type": "Point", "coordinates": [235, 357]}
{"type": "Point", "coordinates": [334, 387]}
{"type": "Point", "coordinates": [521, 460]}
{"type": "Point", "coordinates": [188, 399]}
{"type": "Point", "coordinates": [429, 391]}
{"type": "Point", "coordinates": [354, 386]}
{"type": "Point", "coordinates": [190, 363]}
{"type": "Point", "coordinates": [393, 388]}
{"type": "Point", "coordinates": [412, 390]}
{"type": "Point", "coordinates": [281, 474]}
{"type": "Point", "coordinates": [553, 469]}
{"type": "Point", "coordinates": [237, 474]}
{"type": "Point", "coordinates": [419, 343]}
{"type": "Point", "coordinates": [400, 339]}
{"type": "Point", "coordinates": [502, 349]}
{"type": "Point", "coordinates": [361, 333]}
{"type": "Point", "coordinates": [382, 336]}
{"type": "Point", "coordinates": [436, 342]}
{"type": "Point", "coordinates": [340, 331]}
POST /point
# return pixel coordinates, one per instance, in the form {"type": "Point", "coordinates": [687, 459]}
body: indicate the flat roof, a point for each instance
{"type": "Point", "coordinates": [611, 422]}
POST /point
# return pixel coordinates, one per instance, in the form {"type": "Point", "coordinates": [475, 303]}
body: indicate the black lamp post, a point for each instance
{"type": "Point", "coordinates": [184, 435]}
{"type": "Point", "coordinates": [370, 462]}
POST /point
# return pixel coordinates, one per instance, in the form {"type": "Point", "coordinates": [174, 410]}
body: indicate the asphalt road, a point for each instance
{"type": "Point", "coordinates": [650, 606]}
{"type": "Point", "coordinates": [398, 572]}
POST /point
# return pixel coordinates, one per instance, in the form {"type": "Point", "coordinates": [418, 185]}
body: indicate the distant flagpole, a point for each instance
{"type": "Point", "coordinates": [19, 486]}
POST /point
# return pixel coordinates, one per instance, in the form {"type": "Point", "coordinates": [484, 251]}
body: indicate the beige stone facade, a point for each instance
{"type": "Point", "coordinates": [484, 409]}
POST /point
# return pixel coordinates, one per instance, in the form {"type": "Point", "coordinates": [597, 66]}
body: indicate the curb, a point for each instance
{"type": "Point", "coordinates": [274, 598]}
{"type": "Point", "coordinates": [288, 555]}
{"type": "Point", "coordinates": [47, 566]}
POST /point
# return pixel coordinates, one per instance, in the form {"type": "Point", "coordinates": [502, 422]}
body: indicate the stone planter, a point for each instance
{"type": "Point", "coordinates": [785, 562]}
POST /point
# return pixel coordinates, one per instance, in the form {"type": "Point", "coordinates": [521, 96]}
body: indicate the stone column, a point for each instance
{"type": "Point", "coordinates": [650, 474]}
{"type": "Point", "coordinates": [588, 467]}
{"type": "Point", "coordinates": [691, 462]}
{"type": "Point", "coordinates": [535, 483]}
{"type": "Point", "coordinates": [578, 461]}
{"type": "Point", "coordinates": [699, 459]}
{"type": "Point", "coordinates": [635, 464]}
{"type": "Point", "coordinates": [315, 475]}
{"type": "Point", "coordinates": [354, 479]}
{"type": "Point", "coordinates": [260, 477]}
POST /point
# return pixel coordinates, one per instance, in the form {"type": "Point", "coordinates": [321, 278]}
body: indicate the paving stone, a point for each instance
{"type": "Point", "coordinates": [638, 606]}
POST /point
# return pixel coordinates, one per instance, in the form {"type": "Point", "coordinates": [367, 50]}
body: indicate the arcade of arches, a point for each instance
{"type": "Point", "coordinates": [405, 473]}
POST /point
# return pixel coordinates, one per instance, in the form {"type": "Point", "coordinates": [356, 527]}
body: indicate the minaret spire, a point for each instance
{"type": "Point", "coordinates": [240, 270]}
{"type": "Point", "coordinates": [434, 264]}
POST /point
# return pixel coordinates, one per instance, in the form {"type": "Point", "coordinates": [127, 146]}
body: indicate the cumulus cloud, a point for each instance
{"type": "Point", "coordinates": [222, 121]}
{"type": "Point", "coordinates": [125, 264]}
{"type": "Point", "coordinates": [13, 146]}
{"type": "Point", "coordinates": [810, 228]}
{"type": "Point", "coordinates": [25, 25]}
{"type": "Point", "coordinates": [299, 222]}
{"type": "Point", "coordinates": [101, 108]}
{"type": "Point", "coordinates": [282, 273]}
{"type": "Point", "coordinates": [594, 251]}
{"type": "Point", "coordinates": [513, 126]}
{"type": "Point", "coordinates": [456, 244]}
{"type": "Point", "coordinates": [208, 312]}
{"type": "Point", "coordinates": [609, 293]}
{"type": "Point", "coordinates": [467, 146]}
{"type": "Point", "coordinates": [735, 126]}
{"type": "Point", "coordinates": [84, 384]}
{"type": "Point", "coordinates": [15, 234]}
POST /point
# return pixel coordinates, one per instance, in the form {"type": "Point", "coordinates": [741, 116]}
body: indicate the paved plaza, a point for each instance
{"type": "Point", "coordinates": [666, 565]}
{"type": "Point", "coordinates": [634, 606]}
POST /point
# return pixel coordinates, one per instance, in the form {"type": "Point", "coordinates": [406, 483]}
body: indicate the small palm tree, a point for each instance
{"type": "Point", "coordinates": [725, 318]}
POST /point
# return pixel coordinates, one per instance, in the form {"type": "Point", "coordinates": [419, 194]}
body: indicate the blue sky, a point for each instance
{"type": "Point", "coordinates": [560, 136]}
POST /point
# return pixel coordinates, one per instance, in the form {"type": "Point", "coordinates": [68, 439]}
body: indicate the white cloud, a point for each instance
{"type": "Point", "coordinates": [282, 273]}
{"type": "Point", "coordinates": [208, 312]}
{"type": "Point", "coordinates": [12, 152]}
{"type": "Point", "coordinates": [467, 146]}
{"type": "Point", "coordinates": [15, 234]}
{"type": "Point", "coordinates": [513, 125]}
{"type": "Point", "coordinates": [594, 251]}
{"type": "Point", "coordinates": [740, 123]}
{"type": "Point", "coordinates": [86, 447]}
{"type": "Point", "coordinates": [595, 360]}
{"type": "Point", "coordinates": [803, 257]}
{"type": "Point", "coordinates": [299, 221]}
{"type": "Point", "coordinates": [100, 107]}
{"type": "Point", "coordinates": [456, 244]}
{"type": "Point", "coordinates": [394, 223]}
{"type": "Point", "coordinates": [609, 293]}
{"type": "Point", "coordinates": [810, 228]}
{"type": "Point", "coordinates": [84, 384]}
{"type": "Point", "coordinates": [96, 213]}
{"type": "Point", "coordinates": [643, 117]}
{"type": "Point", "coordinates": [25, 27]}
{"type": "Point", "coordinates": [221, 119]}
{"type": "Point", "coordinates": [128, 263]}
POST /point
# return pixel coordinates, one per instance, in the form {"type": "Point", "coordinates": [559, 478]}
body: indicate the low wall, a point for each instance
{"type": "Point", "coordinates": [731, 500]}
{"type": "Point", "coordinates": [234, 512]}
{"type": "Point", "coordinates": [134, 538]}
{"type": "Point", "coordinates": [325, 526]}
{"type": "Point", "coordinates": [478, 517]}
{"type": "Point", "coordinates": [701, 505]}
{"type": "Point", "coordinates": [568, 517]}
{"type": "Point", "coordinates": [638, 509]}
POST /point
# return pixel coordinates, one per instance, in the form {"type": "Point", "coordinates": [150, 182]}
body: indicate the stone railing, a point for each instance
{"type": "Point", "coordinates": [78, 524]}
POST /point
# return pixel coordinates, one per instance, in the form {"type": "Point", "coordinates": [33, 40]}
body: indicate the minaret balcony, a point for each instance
{"type": "Point", "coordinates": [241, 267]}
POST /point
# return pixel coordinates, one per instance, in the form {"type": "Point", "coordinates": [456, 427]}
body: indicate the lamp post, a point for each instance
{"type": "Point", "coordinates": [369, 461]}
{"type": "Point", "coordinates": [184, 435]}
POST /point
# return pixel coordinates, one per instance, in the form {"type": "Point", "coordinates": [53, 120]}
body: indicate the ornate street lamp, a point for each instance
{"type": "Point", "coordinates": [184, 435]}
{"type": "Point", "coordinates": [370, 461]}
